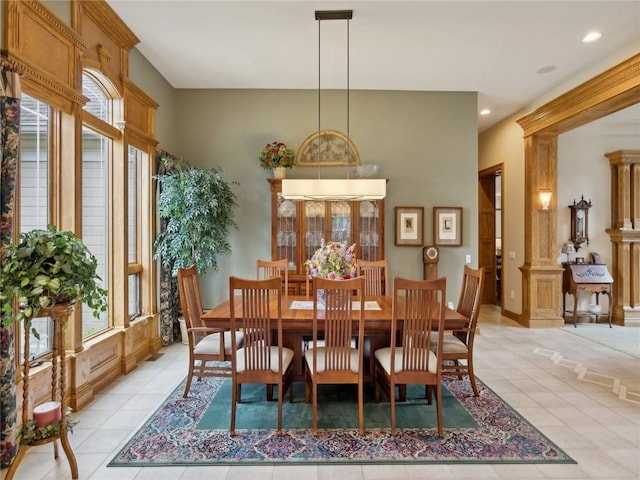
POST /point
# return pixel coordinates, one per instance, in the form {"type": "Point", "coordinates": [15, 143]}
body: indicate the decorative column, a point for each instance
{"type": "Point", "coordinates": [625, 235]}
{"type": "Point", "coordinates": [541, 274]}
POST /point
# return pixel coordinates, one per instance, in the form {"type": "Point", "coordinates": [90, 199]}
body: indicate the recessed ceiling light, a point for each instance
{"type": "Point", "coordinates": [591, 37]}
{"type": "Point", "coordinates": [547, 69]}
{"type": "Point", "coordinates": [485, 111]}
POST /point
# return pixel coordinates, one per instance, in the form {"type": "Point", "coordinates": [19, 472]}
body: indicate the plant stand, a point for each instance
{"type": "Point", "coordinates": [59, 313]}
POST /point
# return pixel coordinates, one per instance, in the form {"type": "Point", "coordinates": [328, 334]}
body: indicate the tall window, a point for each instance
{"type": "Point", "coordinates": [34, 194]}
{"type": "Point", "coordinates": [138, 162]}
{"type": "Point", "coordinates": [96, 163]}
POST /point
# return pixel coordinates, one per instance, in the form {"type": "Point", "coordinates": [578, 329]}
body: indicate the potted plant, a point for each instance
{"type": "Point", "coordinates": [47, 267]}
{"type": "Point", "coordinates": [197, 207]}
{"type": "Point", "coordinates": [278, 157]}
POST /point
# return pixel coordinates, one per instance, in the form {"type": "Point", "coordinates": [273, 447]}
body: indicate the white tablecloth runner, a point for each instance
{"type": "Point", "coordinates": [308, 305]}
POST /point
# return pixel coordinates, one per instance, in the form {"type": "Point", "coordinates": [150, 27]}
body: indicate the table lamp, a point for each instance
{"type": "Point", "coordinates": [568, 248]}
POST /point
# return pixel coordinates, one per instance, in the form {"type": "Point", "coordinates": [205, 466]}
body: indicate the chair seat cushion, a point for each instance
{"type": "Point", "coordinates": [383, 355]}
{"type": "Point", "coordinates": [450, 344]}
{"type": "Point", "coordinates": [210, 345]}
{"type": "Point", "coordinates": [287, 358]}
{"type": "Point", "coordinates": [308, 355]}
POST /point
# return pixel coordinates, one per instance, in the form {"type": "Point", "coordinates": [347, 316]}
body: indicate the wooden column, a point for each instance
{"type": "Point", "coordinates": [612, 90]}
{"type": "Point", "coordinates": [541, 274]}
{"type": "Point", "coordinates": [625, 235]}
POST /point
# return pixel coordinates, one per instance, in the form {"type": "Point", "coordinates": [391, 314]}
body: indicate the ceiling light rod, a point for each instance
{"type": "Point", "coordinates": [333, 15]}
{"type": "Point", "coordinates": [333, 189]}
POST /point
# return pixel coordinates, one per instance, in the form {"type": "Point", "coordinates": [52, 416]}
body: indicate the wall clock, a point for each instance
{"type": "Point", "coordinates": [580, 222]}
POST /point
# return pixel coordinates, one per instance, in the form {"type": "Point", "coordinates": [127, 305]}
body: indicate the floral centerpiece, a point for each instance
{"type": "Point", "coordinates": [333, 260]}
{"type": "Point", "coordinates": [277, 154]}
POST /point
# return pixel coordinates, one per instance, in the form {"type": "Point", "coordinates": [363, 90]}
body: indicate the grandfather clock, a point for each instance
{"type": "Point", "coordinates": [430, 257]}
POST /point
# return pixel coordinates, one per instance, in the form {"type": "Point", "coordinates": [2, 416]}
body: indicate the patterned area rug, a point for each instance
{"type": "Point", "coordinates": [173, 435]}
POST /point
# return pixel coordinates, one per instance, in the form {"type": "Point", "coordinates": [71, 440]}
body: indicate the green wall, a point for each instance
{"type": "Point", "coordinates": [424, 142]}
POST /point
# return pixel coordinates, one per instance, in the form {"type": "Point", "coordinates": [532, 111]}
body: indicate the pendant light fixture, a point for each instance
{"type": "Point", "coordinates": [334, 189]}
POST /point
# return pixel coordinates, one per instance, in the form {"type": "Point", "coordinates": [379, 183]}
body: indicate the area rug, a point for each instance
{"type": "Point", "coordinates": [622, 339]}
{"type": "Point", "coordinates": [194, 431]}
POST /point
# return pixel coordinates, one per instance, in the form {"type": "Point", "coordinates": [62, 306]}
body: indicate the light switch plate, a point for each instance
{"type": "Point", "coordinates": [467, 259]}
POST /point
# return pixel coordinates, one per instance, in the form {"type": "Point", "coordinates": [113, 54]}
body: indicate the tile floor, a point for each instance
{"type": "Point", "coordinates": [583, 395]}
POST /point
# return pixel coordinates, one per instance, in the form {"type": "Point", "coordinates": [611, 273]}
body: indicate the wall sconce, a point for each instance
{"type": "Point", "coordinates": [545, 198]}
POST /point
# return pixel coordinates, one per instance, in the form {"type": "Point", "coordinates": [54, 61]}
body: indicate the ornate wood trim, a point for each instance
{"type": "Point", "coordinates": [108, 38]}
{"type": "Point", "coordinates": [612, 90]}
{"type": "Point", "coordinates": [52, 71]}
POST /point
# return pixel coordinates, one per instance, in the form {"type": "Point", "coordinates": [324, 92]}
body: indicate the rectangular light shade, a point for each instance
{"type": "Point", "coordinates": [334, 189]}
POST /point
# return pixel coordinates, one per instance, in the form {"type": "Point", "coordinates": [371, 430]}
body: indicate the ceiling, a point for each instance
{"type": "Point", "coordinates": [498, 49]}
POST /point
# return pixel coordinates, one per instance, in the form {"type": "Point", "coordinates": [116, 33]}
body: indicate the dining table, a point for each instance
{"type": "Point", "coordinates": [297, 317]}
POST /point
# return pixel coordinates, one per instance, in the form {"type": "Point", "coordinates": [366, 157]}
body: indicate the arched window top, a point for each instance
{"type": "Point", "coordinates": [103, 97]}
{"type": "Point", "coordinates": [98, 103]}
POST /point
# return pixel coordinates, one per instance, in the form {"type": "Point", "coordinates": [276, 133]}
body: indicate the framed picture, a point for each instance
{"type": "Point", "coordinates": [409, 226]}
{"type": "Point", "coordinates": [447, 226]}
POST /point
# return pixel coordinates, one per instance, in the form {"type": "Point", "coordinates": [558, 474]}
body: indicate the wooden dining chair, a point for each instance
{"type": "Point", "coordinates": [274, 268]}
{"type": "Point", "coordinates": [210, 349]}
{"type": "Point", "coordinates": [458, 345]}
{"type": "Point", "coordinates": [376, 277]}
{"type": "Point", "coordinates": [262, 358]}
{"type": "Point", "coordinates": [336, 361]}
{"type": "Point", "coordinates": [409, 360]}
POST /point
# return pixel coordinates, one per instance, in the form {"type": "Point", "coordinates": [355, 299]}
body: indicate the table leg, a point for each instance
{"type": "Point", "coordinates": [575, 308]}
{"type": "Point", "coordinates": [608, 292]}
{"type": "Point", "coordinates": [294, 342]}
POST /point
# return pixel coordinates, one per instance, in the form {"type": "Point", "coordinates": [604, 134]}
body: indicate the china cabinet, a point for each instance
{"type": "Point", "coordinates": [298, 228]}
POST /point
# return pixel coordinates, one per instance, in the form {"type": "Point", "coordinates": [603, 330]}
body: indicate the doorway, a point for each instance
{"type": "Point", "coordinates": [490, 204]}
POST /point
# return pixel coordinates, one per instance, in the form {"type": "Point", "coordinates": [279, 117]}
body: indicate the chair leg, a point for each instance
{"type": "Point", "coordinates": [392, 406]}
{"type": "Point", "coordinates": [307, 386]}
{"type": "Point", "coordinates": [234, 390]}
{"type": "Point", "coordinates": [290, 386]}
{"type": "Point", "coordinates": [270, 392]}
{"type": "Point", "coordinates": [439, 409]}
{"type": "Point", "coordinates": [360, 408]}
{"type": "Point", "coordinates": [280, 396]}
{"type": "Point", "coordinates": [314, 407]}
{"type": "Point", "coordinates": [458, 368]}
{"type": "Point", "coordinates": [472, 377]}
{"type": "Point", "coordinates": [428, 393]}
{"type": "Point", "coordinates": [188, 385]}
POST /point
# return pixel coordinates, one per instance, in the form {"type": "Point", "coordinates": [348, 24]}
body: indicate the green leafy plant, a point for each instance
{"type": "Point", "coordinates": [48, 267]}
{"type": "Point", "coordinates": [197, 206]}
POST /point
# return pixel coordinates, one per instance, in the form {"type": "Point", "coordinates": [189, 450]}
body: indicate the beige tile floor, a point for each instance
{"type": "Point", "coordinates": [583, 395]}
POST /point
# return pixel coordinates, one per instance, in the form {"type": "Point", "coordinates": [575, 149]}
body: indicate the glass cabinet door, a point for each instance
{"type": "Point", "coordinates": [315, 226]}
{"type": "Point", "coordinates": [340, 222]}
{"type": "Point", "coordinates": [299, 227]}
{"type": "Point", "coordinates": [369, 243]}
{"type": "Point", "coordinates": [286, 231]}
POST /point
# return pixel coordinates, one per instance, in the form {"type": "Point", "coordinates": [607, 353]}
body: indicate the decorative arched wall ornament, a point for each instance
{"type": "Point", "coordinates": [335, 149]}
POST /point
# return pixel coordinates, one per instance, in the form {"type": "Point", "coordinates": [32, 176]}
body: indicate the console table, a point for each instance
{"type": "Point", "coordinates": [586, 277]}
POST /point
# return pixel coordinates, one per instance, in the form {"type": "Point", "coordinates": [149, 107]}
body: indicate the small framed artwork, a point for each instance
{"type": "Point", "coordinates": [409, 226]}
{"type": "Point", "coordinates": [447, 226]}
